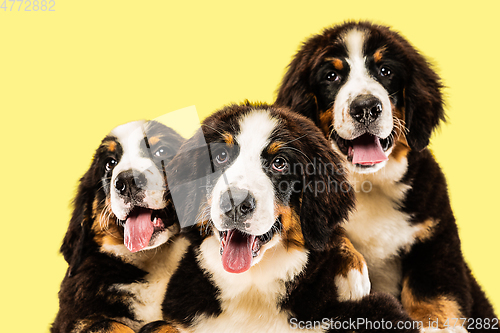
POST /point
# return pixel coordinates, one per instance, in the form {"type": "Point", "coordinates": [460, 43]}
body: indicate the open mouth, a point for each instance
{"type": "Point", "coordinates": [366, 150]}
{"type": "Point", "coordinates": [239, 248]}
{"type": "Point", "coordinates": [142, 225]}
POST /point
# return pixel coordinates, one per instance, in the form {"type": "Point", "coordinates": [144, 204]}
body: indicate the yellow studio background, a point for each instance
{"type": "Point", "coordinates": [69, 76]}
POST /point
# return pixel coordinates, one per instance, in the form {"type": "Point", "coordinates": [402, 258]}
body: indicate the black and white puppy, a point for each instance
{"type": "Point", "coordinates": [116, 243]}
{"type": "Point", "coordinates": [265, 189]}
{"type": "Point", "coordinates": [378, 101]}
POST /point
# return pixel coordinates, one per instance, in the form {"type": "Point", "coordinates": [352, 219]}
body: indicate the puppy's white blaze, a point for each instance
{"type": "Point", "coordinates": [358, 83]}
{"type": "Point", "coordinates": [249, 300]}
{"type": "Point", "coordinates": [130, 136]}
{"type": "Point", "coordinates": [355, 286]}
{"type": "Point", "coordinates": [246, 172]}
{"type": "Point", "coordinates": [122, 132]}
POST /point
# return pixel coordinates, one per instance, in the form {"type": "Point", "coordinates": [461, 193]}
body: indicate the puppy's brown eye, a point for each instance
{"type": "Point", "coordinates": [110, 164]}
{"type": "Point", "coordinates": [385, 71]}
{"type": "Point", "coordinates": [279, 164]}
{"type": "Point", "coordinates": [160, 152]}
{"type": "Point", "coordinates": [222, 157]}
{"type": "Point", "coordinates": [332, 76]}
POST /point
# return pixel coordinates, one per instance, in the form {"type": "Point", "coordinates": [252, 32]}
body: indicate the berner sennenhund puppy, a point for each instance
{"type": "Point", "coordinates": [265, 189]}
{"type": "Point", "coordinates": [118, 244]}
{"type": "Point", "coordinates": [378, 101]}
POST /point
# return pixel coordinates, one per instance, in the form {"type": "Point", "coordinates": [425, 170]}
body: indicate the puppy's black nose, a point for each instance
{"type": "Point", "coordinates": [365, 109]}
{"type": "Point", "coordinates": [237, 204]}
{"type": "Point", "coordinates": [129, 183]}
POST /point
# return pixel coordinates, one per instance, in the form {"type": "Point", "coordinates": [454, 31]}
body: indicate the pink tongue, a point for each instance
{"type": "Point", "coordinates": [237, 255]}
{"type": "Point", "coordinates": [138, 230]}
{"type": "Point", "coordinates": [367, 150]}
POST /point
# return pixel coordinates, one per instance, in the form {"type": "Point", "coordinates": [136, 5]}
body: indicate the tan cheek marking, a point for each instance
{"type": "Point", "coordinates": [228, 139]}
{"type": "Point", "coordinates": [292, 231]}
{"type": "Point", "coordinates": [153, 140]}
{"type": "Point", "coordinates": [400, 150]}
{"type": "Point", "coordinates": [440, 308]}
{"type": "Point", "coordinates": [274, 147]}
{"type": "Point", "coordinates": [326, 120]}
{"type": "Point", "coordinates": [352, 259]}
{"type": "Point", "coordinates": [105, 229]}
{"type": "Point", "coordinates": [401, 147]}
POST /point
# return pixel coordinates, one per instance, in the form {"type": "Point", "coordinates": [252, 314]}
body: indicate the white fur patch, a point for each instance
{"type": "Point", "coordinates": [377, 228]}
{"type": "Point", "coordinates": [147, 297]}
{"type": "Point", "coordinates": [353, 287]}
{"type": "Point", "coordinates": [249, 300]}
{"type": "Point", "coordinates": [358, 83]}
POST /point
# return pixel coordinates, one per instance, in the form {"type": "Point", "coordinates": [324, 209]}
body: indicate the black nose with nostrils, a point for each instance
{"type": "Point", "coordinates": [130, 183]}
{"type": "Point", "coordinates": [365, 109]}
{"type": "Point", "coordinates": [237, 204]}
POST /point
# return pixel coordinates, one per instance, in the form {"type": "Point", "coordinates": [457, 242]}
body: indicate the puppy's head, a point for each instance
{"type": "Point", "coordinates": [368, 89]}
{"type": "Point", "coordinates": [268, 177]}
{"type": "Point", "coordinates": [123, 198]}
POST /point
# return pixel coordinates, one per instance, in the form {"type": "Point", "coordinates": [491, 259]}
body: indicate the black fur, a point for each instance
{"type": "Point", "coordinates": [437, 266]}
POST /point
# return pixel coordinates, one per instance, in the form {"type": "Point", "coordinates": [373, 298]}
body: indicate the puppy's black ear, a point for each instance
{"type": "Point", "coordinates": [327, 197]}
{"type": "Point", "coordinates": [423, 101]}
{"type": "Point", "coordinates": [78, 239]}
{"type": "Point", "coordinates": [295, 91]}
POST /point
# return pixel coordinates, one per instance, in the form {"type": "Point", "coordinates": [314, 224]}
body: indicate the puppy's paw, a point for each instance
{"type": "Point", "coordinates": [354, 285]}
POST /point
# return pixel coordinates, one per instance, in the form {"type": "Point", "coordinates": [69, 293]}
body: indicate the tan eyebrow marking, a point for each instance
{"type": "Point", "coordinates": [377, 56]}
{"type": "Point", "coordinates": [228, 139]}
{"type": "Point", "coordinates": [112, 146]}
{"type": "Point", "coordinates": [274, 147]}
{"type": "Point", "coordinates": [153, 140]}
{"type": "Point", "coordinates": [337, 63]}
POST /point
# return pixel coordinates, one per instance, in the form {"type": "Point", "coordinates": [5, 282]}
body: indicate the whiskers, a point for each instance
{"type": "Point", "coordinates": [203, 220]}
{"type": "Point", "coordinates": [400, 126]}
{"type": "Point", "coordinates": [106, 217]}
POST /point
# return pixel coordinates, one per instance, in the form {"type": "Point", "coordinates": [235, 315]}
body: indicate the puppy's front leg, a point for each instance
{"type": "Point", "coordinates": [352, 279]}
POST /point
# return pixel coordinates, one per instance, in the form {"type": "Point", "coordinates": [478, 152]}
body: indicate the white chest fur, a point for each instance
{"type": "Point", "coordinates": [249, 300]}
{"type": "Point", "coordinates": [377, 228]}
{"type": "Point", "coordinates": [148, 296]}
